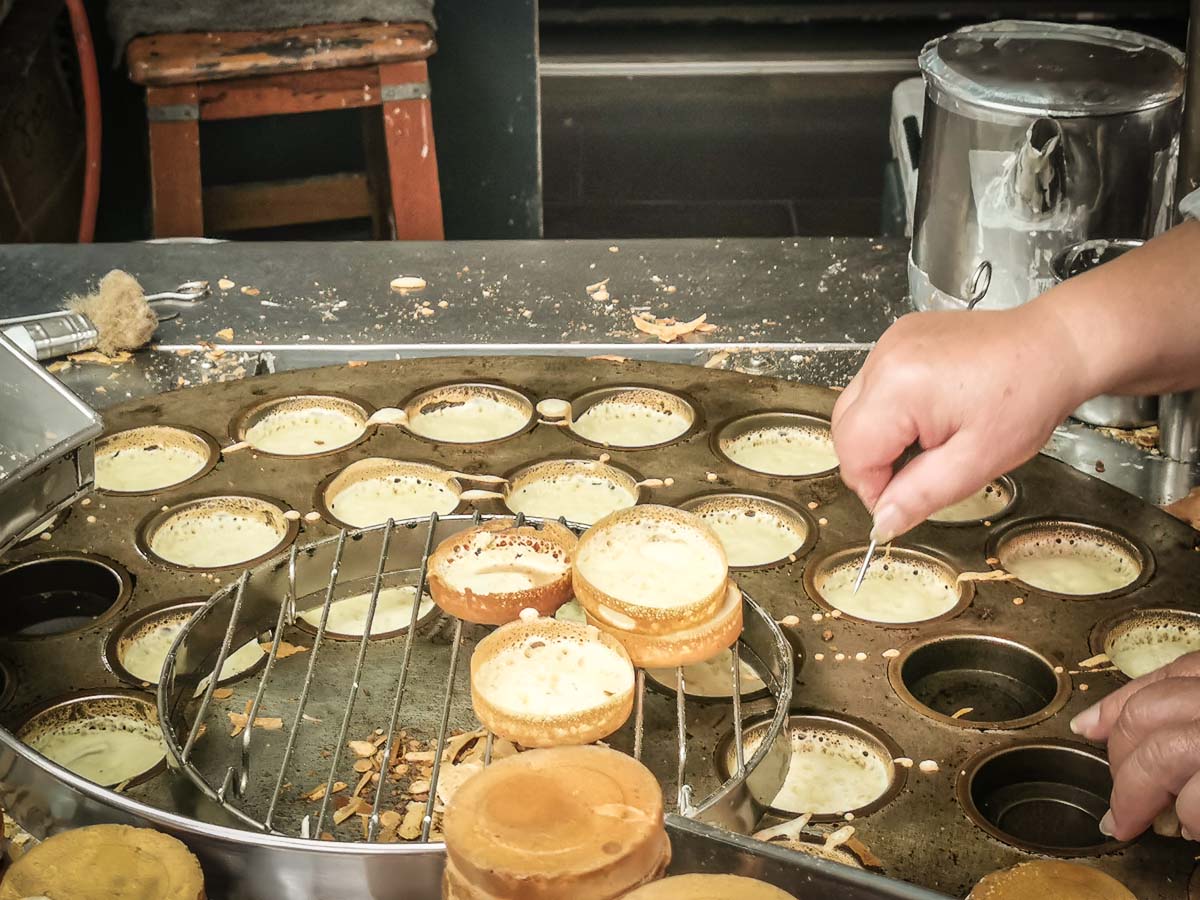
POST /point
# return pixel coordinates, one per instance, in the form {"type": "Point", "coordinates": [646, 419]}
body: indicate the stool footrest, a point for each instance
{"type": "Point", "coordinates": [269, 204]}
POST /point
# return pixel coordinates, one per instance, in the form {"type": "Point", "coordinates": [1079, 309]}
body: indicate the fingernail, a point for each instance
{"type": "Point", "coordinates": [1107, 825]}
{"type": "Point", "coordinates": [1086, 721]}
{"type": "Point", "coordinates": [1185, 834]}
{"type": "Point", "coordinates": [885, 523]}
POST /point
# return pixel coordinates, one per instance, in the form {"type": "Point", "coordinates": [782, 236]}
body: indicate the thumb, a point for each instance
{"type": "Point", "coordinates": [931, 481]}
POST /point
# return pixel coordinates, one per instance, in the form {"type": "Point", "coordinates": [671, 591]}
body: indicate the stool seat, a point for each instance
{"type": "Point", "coordinates": [198, 57]}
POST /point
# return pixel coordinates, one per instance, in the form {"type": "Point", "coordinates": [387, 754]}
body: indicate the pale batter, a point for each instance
{"type": "Point", "coordinates": [471, 421]}
{"type": "Point", "coordinates": [985, 503]}
{"type": "Point", "coordinates": [216, 537]}
{"type": "Point", "coordinates": [576, 496]}
{"type": "Point", "coordinates": [652, 563]}
{"type": "Point", "coordinates": [553, 676]}
{"type": "Point", "coordinates": [487, 568]}
{"type": "Point", "coordinates": [834, 775]}
{"type": "Point", "coordinates": [143, 656]}
{"type": "Point", "coordinates": [303, 430]}
{"type": "Point", "coordinates": [106, 750]}
{"type": "Point", "coordinates": [627, 423]}
{"type": "Point", "coordinates": [372, 501]}
{"type": "Point", "coordinates": [711, 678]}
{"type": "Point", "coordinates": [782, 450]}
{"type": "Point", "coordinates": [146, 468]}
{"type": "Point", "coordinates": [893, 591]}
{"type": "Point", "coordinates": [1079, 568]}
{"type": "Point", "coordinates": [752, 539]}
{"type": "Point", "coordinates": [1144, 648]}
{"type": "Point", "coordinates": [393, 612]}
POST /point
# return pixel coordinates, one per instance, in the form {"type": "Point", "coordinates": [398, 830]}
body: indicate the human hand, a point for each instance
{"type": "Point", "coordinates": [1152, 726]}
{"type": "Point", "coordinates": [980, 391]}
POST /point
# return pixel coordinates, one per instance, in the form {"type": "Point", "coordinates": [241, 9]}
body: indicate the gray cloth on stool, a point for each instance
{"type": "Point", "coordinates": [129, 18]}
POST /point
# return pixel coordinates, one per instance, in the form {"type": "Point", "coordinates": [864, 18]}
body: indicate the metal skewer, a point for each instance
{"type": "Point", "coordinates": [913, 451]}
{"type": "Point", "coordinates": [862, 573]}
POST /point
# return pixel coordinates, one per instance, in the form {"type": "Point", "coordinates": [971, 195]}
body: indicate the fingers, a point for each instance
{"type": "Point", "coordinates": [1187, 807]}
{"type": "Point", "coordinates": [933, 480]}
{"type": "Point", "coordinates": [1148, 780]}
{"type": "Point", "coordinates": [1096, 722]}
{"type": "Point", "coordinates": [869, 434]}
{"type": "Point", "coordinates": [1168, 703]}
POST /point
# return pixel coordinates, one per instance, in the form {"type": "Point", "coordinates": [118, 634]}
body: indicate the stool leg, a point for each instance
{"type": "Point", "coordinates": [172, 114]}
{"type": "Point", "coordinates": [412, 162]}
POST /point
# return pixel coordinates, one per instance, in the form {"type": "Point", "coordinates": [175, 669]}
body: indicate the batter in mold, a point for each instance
{"type": "Point", "coordinates": [106, 750]}
{"type": "Point", "coordinates": [625, 421]}
{"type": "Point", "coordinates": [301, 430]}
{"type": "Point", "coordinates": [473, 420]}
{"type": "Point", "coordinates": [782, 450]}
{"type": "Point", "coordinates": [348, 616]}
{"type": "Point", "coordinates": [893, 591]}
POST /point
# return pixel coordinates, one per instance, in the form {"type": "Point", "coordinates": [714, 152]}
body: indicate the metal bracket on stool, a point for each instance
{"type": "Point", "coordinates": [174, 112]}
{"type": "Point", "coordinates": [417, 90]}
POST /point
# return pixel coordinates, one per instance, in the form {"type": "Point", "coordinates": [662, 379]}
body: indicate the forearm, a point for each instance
{"type": "Point", "coordinates": [1134, 323]}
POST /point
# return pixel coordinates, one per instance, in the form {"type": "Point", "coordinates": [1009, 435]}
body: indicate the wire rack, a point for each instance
{"type": "Point", "coordinates": [264, 603]}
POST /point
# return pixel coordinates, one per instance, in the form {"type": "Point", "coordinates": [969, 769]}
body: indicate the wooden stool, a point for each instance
{"type": "Point", "coordinates": [235, 75]}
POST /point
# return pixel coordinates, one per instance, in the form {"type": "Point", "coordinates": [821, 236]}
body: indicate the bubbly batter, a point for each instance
{"type": "Point", "coordinates": [626, 423]}
{"type": "Point", "coordinates": [303, 430]}
{"type": "Point", "coordinates": [105, 749]}
{"type": "Point", "coordinates": [393, 612]}
{"type": "Point", "coordinates": [471, 421]}
{"type": "Point", "coordinates": [752, 537]}
{"type": "Point", "coordinates": [550, 676]}
{"type": "Point", "coordinates": [1076, 566]}
{"type": "Point", "coordinates": [831, 773]}
{"type": "Point", "coordinates": [985, 503]}
{"type": "Point", "coordinates": [893, 591]}
{"type": "Point", "coordinates": [216, 538]}
{"type": "Point", "coordinates": [783, 450]}
{"type": "Point", "coordinates": [1144, 648]}
{"type": "Point", "coordinates": [143, 656]}
{"type": "Point", "coordinates": [372, 501]}
{"type": "Point", "coordinates": [577, 496]}
{"type": "Point", "coordinates": [148, 468]}
{"type": "Point", "coordinates": [711, 678]}
{"type": "Point", "coordinates": [652, 563]}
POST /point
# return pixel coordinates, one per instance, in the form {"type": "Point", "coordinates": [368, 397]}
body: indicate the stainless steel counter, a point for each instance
{"type": "Point", "coordinates": [803, 309]}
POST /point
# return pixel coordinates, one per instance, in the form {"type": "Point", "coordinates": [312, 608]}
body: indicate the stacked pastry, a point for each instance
{"type": "Point", "coordinates": [657, 579]}
{"type": "Point", "coordinates": [584, 823]}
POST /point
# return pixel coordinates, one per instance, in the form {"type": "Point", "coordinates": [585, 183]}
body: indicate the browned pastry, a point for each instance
{"type": "Point", "coordinates": [1050, 878]}
{"type": "Point", "coordinates": [106, 862]}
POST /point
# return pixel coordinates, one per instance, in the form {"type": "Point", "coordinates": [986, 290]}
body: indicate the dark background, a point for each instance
{"type": "Point", "coordinates": [558, 118]}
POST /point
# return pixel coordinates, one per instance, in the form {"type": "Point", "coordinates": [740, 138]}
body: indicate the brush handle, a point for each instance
{"type": "Point", "coordinates": [47, 337]}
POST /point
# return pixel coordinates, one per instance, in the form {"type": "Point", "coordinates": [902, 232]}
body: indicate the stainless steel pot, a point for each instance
{"type": "Point", "coordinates": [1036, 136]}
{"type": "Point", "coordinates": [1107, 410]}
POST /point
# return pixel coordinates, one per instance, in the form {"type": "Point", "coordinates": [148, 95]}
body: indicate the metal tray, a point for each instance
{"type": "Point", "coordinates": [924, 835]}
{"type": "Point", "coordinates": [46, 436]}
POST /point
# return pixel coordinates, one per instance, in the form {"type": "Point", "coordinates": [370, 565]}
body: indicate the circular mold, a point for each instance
{"type": "Point", "coordinates": [302, 425]}
{"type": "Point", "coordinates": [219, 532]}
{"type": "Point", "coordinates": [709, 681]}
{"type": "Point", "coordinates": [469, 413]}
{"type": "Point", "coordinates": [757, 532]}
{"type": "Point", "coordinates": [1071, 559]}
{"type": "Point", "coordinates": [1001, 683]}
{"type": "Point", "coordinates": [1041, 796]}
{"type": "Point", "coordinates": [988, 504]}
{"type": "Point", "coordinates": [632, 417]}
{"type": "Point", "coordinates": [780, 443]}
{"type": "Point", "coordinates": [902, 587]}
{"type": "Point", "coordinates": [136, 647]}
{"type": "Point", "coordinates": [839, 760]}
{"type": "Point", "coordinates": [152, 458]}
{"type": "Point", "coordinates": [8, 684]}
{"type": "Point", "coordinates": [1143, 640]}
{"type": "Point", "coordinates": [369, 491]}
{"type": "Point", "coordinates": [61, 593]}
{"type": "Point", "coordinates": [110, 738]}
{"type": "Point", "coordinates": [581, 491]}
{"type": "Point", "coordinates": [348, 611]}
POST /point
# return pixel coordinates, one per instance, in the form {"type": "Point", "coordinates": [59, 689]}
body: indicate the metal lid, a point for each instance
{"type": "Point", "coordinates": [1051, 69]}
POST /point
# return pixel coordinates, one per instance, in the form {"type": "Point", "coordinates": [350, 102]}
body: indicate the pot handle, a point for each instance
{"type": "Point", "coordinates": [980, 282]}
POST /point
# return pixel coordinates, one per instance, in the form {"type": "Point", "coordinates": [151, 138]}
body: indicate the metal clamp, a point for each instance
{"type": "Point", "coordinates": [980, 282]}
